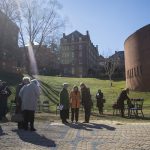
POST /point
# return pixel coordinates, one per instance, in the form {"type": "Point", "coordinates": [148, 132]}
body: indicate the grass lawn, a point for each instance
{"type": "Point", "coordinates": [51, 87]}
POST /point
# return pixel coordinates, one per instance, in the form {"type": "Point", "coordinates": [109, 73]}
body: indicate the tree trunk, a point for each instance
{"type": "Point", "coordinates": [110, 80]}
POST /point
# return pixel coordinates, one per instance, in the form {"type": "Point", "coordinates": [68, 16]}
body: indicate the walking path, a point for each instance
{"type": "Point", "coordinates": [99, 135]}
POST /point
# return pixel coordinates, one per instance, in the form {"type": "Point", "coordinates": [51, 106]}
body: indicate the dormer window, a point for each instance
{"type": "Point", "coordinates": [64, 40]}
{"type": "Point", "coordinates": [72, 38]}
{"type": "Point", "coordinates": [80, 39]}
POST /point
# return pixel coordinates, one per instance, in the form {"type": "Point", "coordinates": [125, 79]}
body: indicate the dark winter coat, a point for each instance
{"type": "Point", "coordinates": [18, 99]}
{"type": "Point", "coordinates": [4, 92]}
{"type": "Point", "coordinates": [99, 98]}
{"type": "Point", "coordinates": [64, 98]}
{"type": "Point", "coordinates": [122, 97]}
{"type": "Point", "coordinates": [86, 98]}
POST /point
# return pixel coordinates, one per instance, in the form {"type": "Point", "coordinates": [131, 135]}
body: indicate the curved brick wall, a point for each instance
{"type": "Point", "coordinates": [137, 60]}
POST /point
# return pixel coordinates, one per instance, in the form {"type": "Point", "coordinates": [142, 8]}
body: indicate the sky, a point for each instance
{"type": "Point", "coordinates": [109, 22]}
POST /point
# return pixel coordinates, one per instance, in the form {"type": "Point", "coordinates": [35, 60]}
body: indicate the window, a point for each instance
{"type": "Point", "coordinates": [128, 74]}
{"type": "Point", "coordinates": [72, 38]}
{"type": "Point", "coordinates": [80, 39]}
{"type": "Point", "coordinates": [141, 71]}
{"type": "Point", "coordinates": [65, 40]}
{"type": "Point", "coordinates": [132, 72]}
{"type": "Point", "coordinates": [80, 70]}
{"type": "Point", "coordinates": [73, 71]}
{"type": "Point", "coordinates": [80, 47]}
{"type": "Point", "coordinates": [135, 74]}
{"type": "Point", "coordinates": [80, 60]}
{"type": "Point", "coordinates": [138, 71]}
{"type": "Point", "coordinates": [72, 54]}
{"type": "Point", "coordinates": [80, 54]}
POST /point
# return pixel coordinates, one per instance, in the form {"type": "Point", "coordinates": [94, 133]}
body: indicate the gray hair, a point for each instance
{"type": "Point", "coordinates": [26, 79]}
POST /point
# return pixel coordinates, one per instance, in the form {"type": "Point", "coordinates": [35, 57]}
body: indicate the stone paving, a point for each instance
{"type": "Point", "coordinates": [98, 135]}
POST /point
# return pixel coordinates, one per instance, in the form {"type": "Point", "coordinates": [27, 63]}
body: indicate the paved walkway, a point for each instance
{"type": "Point", "coordinates": [99, 135]}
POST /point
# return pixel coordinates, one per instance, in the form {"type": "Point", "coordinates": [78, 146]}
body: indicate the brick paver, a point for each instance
{"type": "Point", "coordinates": [100, 135]}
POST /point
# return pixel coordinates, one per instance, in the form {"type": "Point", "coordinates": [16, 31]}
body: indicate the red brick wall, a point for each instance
{"type": "Point", "coordinates": [137, 60]}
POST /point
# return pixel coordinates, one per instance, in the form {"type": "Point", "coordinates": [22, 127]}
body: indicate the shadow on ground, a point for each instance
{"type": "Point", "coordinates": [50, 92]}
{"type": "Point", "coordinates": [35, 138]}
{"type": "Point", "coordinates": [90, 126]}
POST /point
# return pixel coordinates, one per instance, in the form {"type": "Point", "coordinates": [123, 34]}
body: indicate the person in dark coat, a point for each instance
{"type": "Point", "coordinates": [120, 101]}
{"type": "Point", "coordinates": [64, 104]}
{"type": "Point", "coordinates": [100, 101]}
{"type": "Point", "coordinates": [25, 80]}
{"type": "Point", "coordinates": [86, 101]}
{"type": "Point", "coordinates": [4, 94]}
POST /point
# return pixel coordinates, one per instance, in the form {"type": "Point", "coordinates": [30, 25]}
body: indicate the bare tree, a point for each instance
{"type": "Point", "coordinates": [110, 65]}
{"type": "Point", "coordinates": [38, 21]}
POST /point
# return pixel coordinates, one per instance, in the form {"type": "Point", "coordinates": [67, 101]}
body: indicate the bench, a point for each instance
{"type": "Point", "coordinates": [45, 106]}
{"type": "Point", "coordinates": [137, 108]}
{"type": "Point", "coordinates": [12, 106]}
{"type": "Point", "coordinates": [116, 109]}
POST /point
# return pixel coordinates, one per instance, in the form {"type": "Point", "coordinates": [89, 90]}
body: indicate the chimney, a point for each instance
{"type": "Point", "coordinates": [64, 35]}
{"type": "Point", "coordinates": [97, 47]}
{"type": "Point", "coordinates": [87, 32]}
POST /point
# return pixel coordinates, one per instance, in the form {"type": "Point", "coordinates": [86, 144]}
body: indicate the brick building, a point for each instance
{"type": "Point", "coordinates": [46, 59]}
{"type": "Point", "coordinates": [9, 60]}
{"type": "Point", "coordinates": [120, 68]}
{"type": "Point", "coordinates": [78, 55]}
{"type": "Point", "coordinates": [137, 60]}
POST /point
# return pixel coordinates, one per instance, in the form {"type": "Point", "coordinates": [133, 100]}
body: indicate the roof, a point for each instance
{"type": "Point", "coordinates": [147, 27]}
{"type": "Point", "coordinates": [9, 20]}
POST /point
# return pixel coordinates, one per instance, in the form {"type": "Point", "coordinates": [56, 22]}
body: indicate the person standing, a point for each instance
{"type": "Point", "coordinates": [100, 101]}
{"type": "Point", "coordinates": [25, 80]}
{"type": "Point", "coordinates": [120, 101]}
{"type": "Point", "coordinates": [4, 94]}
{"type": "Point", "coordinates": [86, 101]}
{"type": "Point", "coordinates": [75, 99]}
{"type": "Point", "coordinates": [29, 95]}
{"type": "Point", "coordinates": [64, 103]}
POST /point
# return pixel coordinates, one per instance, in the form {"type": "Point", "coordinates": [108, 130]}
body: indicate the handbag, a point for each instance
{"type": "Point", "coordinates": [17, 117]}
{"type": "Point", "coordinates": [61, 107]}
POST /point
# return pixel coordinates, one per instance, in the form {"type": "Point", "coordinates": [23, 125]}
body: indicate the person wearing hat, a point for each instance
{"type": "Point", "coordinates": [4, 94]}
{"type": "Point", "coordinates": [120, 101]}
{"type": "Point", "coordinates": [29, 94]}
{"type": "Point", "coordinates": [86, 101]}
{"type": "Point", "coordinates": [64, 104]}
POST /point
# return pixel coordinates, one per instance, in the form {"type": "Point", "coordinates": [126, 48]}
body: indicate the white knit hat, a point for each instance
{"type": "Point", "coordinates": [65, 85]}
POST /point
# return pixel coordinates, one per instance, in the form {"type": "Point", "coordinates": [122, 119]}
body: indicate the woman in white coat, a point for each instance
{"type": "Point", "coordinates": [29, 95]}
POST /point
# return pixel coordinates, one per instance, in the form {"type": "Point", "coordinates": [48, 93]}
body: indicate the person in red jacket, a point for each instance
{"type": "Point", "coordinates": [75, 99]}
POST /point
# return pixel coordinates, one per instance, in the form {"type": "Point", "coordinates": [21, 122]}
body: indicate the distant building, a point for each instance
{"type": "Point", "coordinates": [46, 59]}
{"type": "Point", "coordinates": [120, 69]}
{"type": "Point", "coordinates": [78, 55]}
{"type": "Point", "coordinates": [100, 73]}
{"type": "Point", "coordinates": [137, 60]}
{"type": "Point", "coordinates": [101, 61]}
{"type": "Point", "coordinates": [9, 60]}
